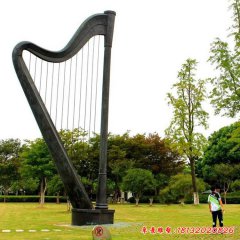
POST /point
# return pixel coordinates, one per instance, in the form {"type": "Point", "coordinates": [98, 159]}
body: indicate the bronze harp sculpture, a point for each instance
{"type": "Point", "coordinates": [52, 65]}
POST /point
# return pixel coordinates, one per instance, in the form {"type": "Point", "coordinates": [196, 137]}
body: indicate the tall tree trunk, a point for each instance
{"type": "Point", "coordinates": [43, 188]}
{"type": "Point", "coordinates": [137, 198]}
{"type": "Point", "coordinates": [225, 197]}
{"type": "Point", "coordinates": [69, 206]}
{"type": "Point", "coordinates": [137, 201]}
{"type": "Point", "coordinates": [5, 194]}
{"type": "Point", "coordinates": [194, 183]}
{"type": "Point", "coordinates": [150, 201]}
{"type": "Point", "coordinates": [225, 190]}
{"type": "Point", "coordinates": [58, 198]}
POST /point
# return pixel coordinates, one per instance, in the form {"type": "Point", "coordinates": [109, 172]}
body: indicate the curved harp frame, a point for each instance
{"type": "Point", "coordinates": [99, 24]}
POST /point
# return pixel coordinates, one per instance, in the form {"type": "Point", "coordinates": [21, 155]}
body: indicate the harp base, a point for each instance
{"type": "Point", "coordinates": [92, 216]}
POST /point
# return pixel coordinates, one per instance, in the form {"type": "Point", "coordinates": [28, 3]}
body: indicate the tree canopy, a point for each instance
{"type": "Point", "coordinates": [223, 146]}
{"type": "Point", "coordinates": [225, 94]}
{"type": "Point", "coordinates": [37, 165]}
{"type": "Point", "coordinates": [9, 163]}
{"type": "Point", "coordinates": [138, 181]}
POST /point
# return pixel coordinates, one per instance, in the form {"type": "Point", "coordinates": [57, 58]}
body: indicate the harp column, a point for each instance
{"type": "Point", "coordinates": [101, 201]}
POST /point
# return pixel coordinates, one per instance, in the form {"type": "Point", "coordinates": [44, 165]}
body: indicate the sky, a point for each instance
{"type": "Point", "coordinates": [152, 39]}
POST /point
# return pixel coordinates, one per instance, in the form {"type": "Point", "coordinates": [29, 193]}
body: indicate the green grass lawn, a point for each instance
{"type": "Point", "coordinates": [52, 222]}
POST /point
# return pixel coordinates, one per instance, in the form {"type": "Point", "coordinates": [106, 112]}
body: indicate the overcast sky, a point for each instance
{"type": "Point", "coordinates": [152, 39]}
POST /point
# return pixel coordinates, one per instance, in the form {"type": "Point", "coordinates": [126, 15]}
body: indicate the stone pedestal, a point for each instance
{"type": "Point", "coordinates": [92, 216]}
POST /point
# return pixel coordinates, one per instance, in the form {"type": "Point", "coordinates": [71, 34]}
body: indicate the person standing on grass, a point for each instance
{"type": "Point", "coordinates": [216, 207]}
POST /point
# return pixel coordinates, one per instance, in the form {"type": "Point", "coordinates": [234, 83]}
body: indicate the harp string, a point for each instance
{"type": "Point", "coordinates": [40, 84]}
{"type": "Point", "coordinates": [80, 89]}
{"type": "Point", "coordinates": [29, 62]}
{"type": "Point", "coordinates": [75, 91]}
{"type": "Point", "coordinates": [96, 85]}
{"type": "Point", "coordinates": [63, 94]}
{"type": "Point", "coordinates": [46, 87]}
{"type": "Point", "coordinates": [57, 94]}
{"type": "Point", "coordinates": [91, 87]}
{"type": "Point", "coordinates": [86, 88]}
{"type": "Point", "coordinates": [51, 97]}
{"type": "Point", "coordinates": [35, 70]}
{"type": "Point", "coordinates": [69, 89]}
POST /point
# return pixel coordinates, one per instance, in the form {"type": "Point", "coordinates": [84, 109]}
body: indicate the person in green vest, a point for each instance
{"type": "Point", "coordinates": [216, 207]}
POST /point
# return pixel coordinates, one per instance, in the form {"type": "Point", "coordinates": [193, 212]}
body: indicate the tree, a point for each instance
{"type": "Point", "coordinates": [160, 158]}
{"type": "Point", "coordinates": [79, 150]}
{"type": "Point", "coordinates": [138, 181]}
{"type": "Point", "coordinates": [180, 188]}
{"type": "Point", "coordinates": [136, 148]}
{"type": "Point", "coordinates": [223, 146]}
{"type": "Point", "coordinates": [9, 163]}
{"type": "Point", "coordinates": [148, 152]}
{"type": "Point", "coordinates": [225, 175]}
{"type": "Point", "coordinates": [162, 181]}
{"type": "Point", "coordinates": [188, 114]}
{"type": "Point", "coordinates": [37, 164]}
{"type": "Point", "coordinates": [220, 163]}
{"type": "Point", "coordinates": [225, 95]}
{"type": "Point", "coordinates": [55, 186]}
{"type": "Point", "coordinates": [118, 161]}
{"type": "Point", "coordinates": [235, 138]}
{"type": "Point", "coordinates": [84, 154]}
{"type": "Point", "coordinates": [222, 174]}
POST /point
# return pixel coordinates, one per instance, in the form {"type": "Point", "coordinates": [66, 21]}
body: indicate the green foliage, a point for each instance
{"type": "Point", "coordinates": [180, 188]}
{"type": "Point", "coordinates": [221, 174]}
{"type": "Point", "coordinates": [36, 160]}
{"type": "Point", "coordinates": [161, 181]}
{"type": "Point", "coordinates": [233, 200]}
{"type": "Point", "coordinates": [117, 158]}
{"type": "Point", "coordinates": [36, 164]}
{"type": "Point", "coordinates": [225, 94]}
{"type": "Point", "coordinates": [229, 199]}
{"type": "Point", "coordinates": [145, 199]}
{"type": "Point", "coordinates": [220, 163]}
{"type": "Point", "coordinates": [235, 139]}
{"type": "Point", "coordinates": [31, 184]}
{"type": "Point", "coordinates": [83, 154]}
{"type": "Point", "coordinates": [55, 185]}
{"type": "Point", "coordinates": [160, 158]}
{"type": "Point", "coordinates": [9, 163]}
{"type": "Point", "coordinates": [236, 185]}
{"type": "Point", "coordinates": [223, 146]}
{"type": "Point", "coordinates": [35, 167]}
{"type": "Point", "coordinates": [188, 113]}
{"type": "Point", "coordinates": [148, 152]}
{"type": "Point", "coordinates": [29, 198]}
{"type": "Point", "coordinates": [225, 172]}
{"type": "Point", "coordinates": [138, 181]}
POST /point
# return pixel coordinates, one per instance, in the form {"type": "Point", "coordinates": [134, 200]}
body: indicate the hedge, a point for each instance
{"type": "Point", "coordinates": [231, 199]}
{"type": "Point", "coordinates": [21, 198]}
{"type": "Point", "coordinates": [145, 199]}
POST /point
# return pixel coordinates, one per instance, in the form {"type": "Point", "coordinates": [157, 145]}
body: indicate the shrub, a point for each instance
{"type": "Point", "coordinates": [144, 199]}
{"type": "Point", "coordinates": [20, 198]}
